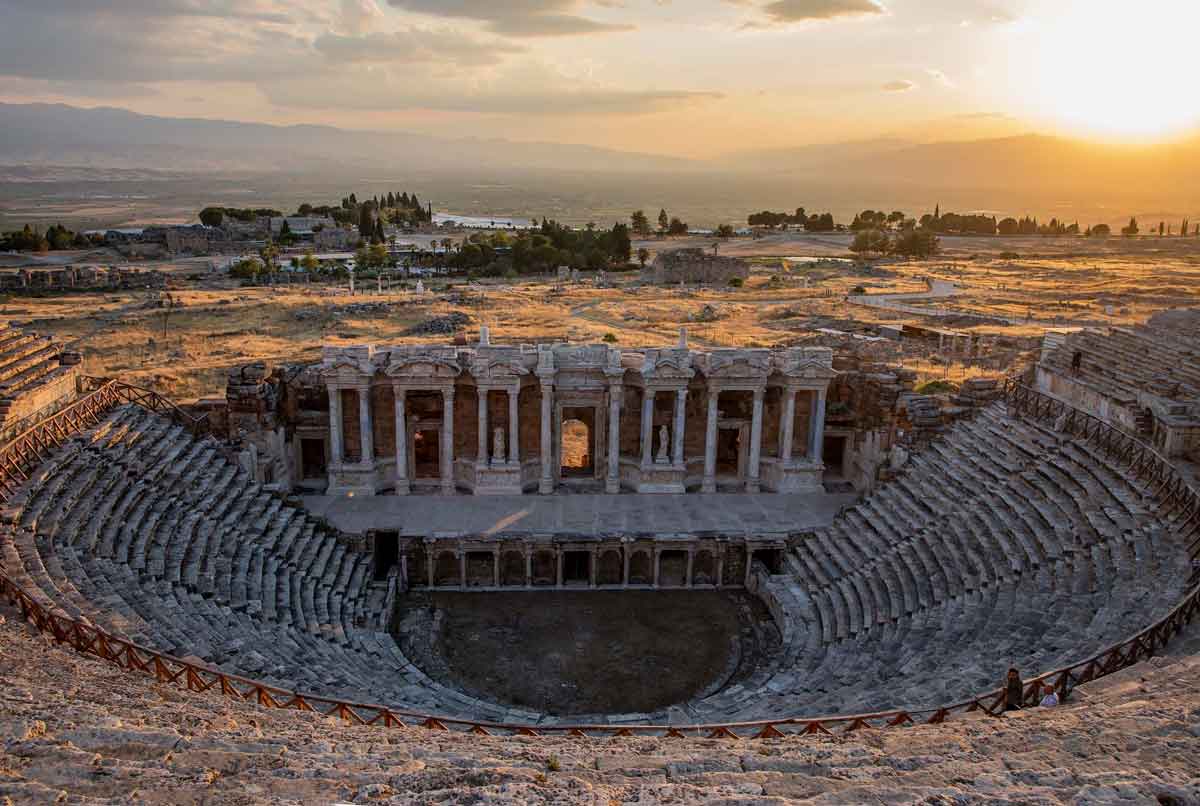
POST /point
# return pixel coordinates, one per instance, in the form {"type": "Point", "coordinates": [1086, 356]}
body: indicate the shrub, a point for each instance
{"type": "Point", "coordinates": [859, 289]}
{"type": "Point", "coordinates": [736, 282]}
{"type": "Point", "coordinates": [609, 338]}
{"type": "Point", "coordinates": [939, 387]}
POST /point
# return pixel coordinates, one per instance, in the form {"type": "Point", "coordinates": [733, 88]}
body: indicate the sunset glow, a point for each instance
{"type": "Point", "coordinates": [1124, 75]}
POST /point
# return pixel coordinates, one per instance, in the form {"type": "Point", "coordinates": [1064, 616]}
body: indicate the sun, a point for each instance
{"type": "Point", "coordinates": [1117, 71]}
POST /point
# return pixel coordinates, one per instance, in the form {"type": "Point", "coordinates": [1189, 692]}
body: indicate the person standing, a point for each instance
{"type": "Point", "coordinates": [1014, 690]}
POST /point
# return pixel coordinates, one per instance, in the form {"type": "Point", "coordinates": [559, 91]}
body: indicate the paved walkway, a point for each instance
{"type": "Point", "coordinates": [726, 513]}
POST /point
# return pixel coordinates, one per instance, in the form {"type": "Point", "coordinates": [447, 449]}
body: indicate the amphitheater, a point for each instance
{"type": "Point", "coordinates": [1024, 530]}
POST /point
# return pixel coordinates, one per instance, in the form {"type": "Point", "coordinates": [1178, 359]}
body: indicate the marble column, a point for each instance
{"type": "Point", "coordinates": [612, 484]}
{"type": "Point", "coordinates": [528, 567]}
{"type": "Point", "coordinates": [720, 566]}
{"type": "Point", "coordinates": [366, 436]}
{"type": "Point", "coordinates": [625, 551]}
{"type": "Point", "coordinates": [546, 485]}
{"type": "Point", "coordinates": [816, 427]}
{"type": "Point", "coordinates": [335, 428]}
{"type": "Point", "coordinates": [430, 560]}
{"type": "Point", "coordinates": [447, 449]}
{"type": "Point", "coordinates": [495, 568]}
{"type": "Point", "coordinates": [691, 563]}
{"type": "Point", "coordinates": [710, 444]}
{"type": "Point", "coordinates": [647, 427]}
{"type": "Point", "coordinates": [462, 569]}
{"type": "Point", "coordinates": [752, 483]}
{"type": "Point", "coordinates": [655, 556]}
{"type": "Point", "coordinates": [514, 431]}
{"type": "Point", "coordinates": [678, 431]}
{"type": "Point", "coordinates": [592, 563]}
{"type": "Point", "coordinates": [401, 397]}
{"type": "Point", "coordinates": [788, 425]}
{"type": "Point", "coordinates": [481, 452]}
{"type": "Point", "coordinates": [559, 556]}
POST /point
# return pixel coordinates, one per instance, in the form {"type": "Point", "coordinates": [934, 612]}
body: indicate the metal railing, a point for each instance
{"type": "Point", "coordinates": [1181, 502]}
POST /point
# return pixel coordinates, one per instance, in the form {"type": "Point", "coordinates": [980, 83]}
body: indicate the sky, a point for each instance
{"type": "Point", "coordinates": [694, 78]}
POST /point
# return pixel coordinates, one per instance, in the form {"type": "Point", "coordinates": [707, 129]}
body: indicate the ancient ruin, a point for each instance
{"type": "Point", "coordinates": [491, 419]}
{"type": "Point", "coordinates": [695, 266]}
{"type": "Point", "coordinates": [999, 526]}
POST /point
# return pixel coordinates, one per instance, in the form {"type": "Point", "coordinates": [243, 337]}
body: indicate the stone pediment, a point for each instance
{"type": "Point", "coordinates": [668, 365]}
{"type": "Point", "coordinates": [422, 367]}
{"type": "Point", "coordinates": [347, 367]}
{"type": "Point", "coordinates": [499, 369]}
{"type": "Point", "coordinates": [808, 369]}
{"type": "Point", "coordinates": [739, 364]}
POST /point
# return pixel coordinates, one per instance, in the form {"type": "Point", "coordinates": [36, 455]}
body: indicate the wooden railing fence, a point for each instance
{"type": "Point", "coordinates": [1181, 506]}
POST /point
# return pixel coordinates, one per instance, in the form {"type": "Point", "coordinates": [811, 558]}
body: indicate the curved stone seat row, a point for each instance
{"type": "Point", "coordinates": [138, 528]}
{"type": "Point", "coordinates": [1002, 544]}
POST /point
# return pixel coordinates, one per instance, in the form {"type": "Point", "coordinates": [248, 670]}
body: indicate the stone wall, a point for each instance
{"type": "Point", "coordinates": [695, 266]}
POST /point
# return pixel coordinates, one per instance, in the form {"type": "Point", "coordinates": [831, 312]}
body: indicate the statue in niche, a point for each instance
{"type": "Point", "coordinates": [664, 445]}
{"type": "Point", "coordinates": [498, 446]}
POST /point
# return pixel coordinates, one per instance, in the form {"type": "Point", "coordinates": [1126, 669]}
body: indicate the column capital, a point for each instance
{"type": "Point", "coordinates": [759, 393]}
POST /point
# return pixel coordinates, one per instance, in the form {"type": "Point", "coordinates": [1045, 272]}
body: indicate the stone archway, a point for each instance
{"type": "Point", "coordinates": [512, 569]}
{"type": "Point", "coordinates": [446, 572]}
{"type": "Point", "coordinates": [575, 449]}
{"type": "Point", "coordinates": [609, 570]}
{"type": "Point", "coordinates": [545, 569]}
{"type": "Point", "coordinates": [640, 572]}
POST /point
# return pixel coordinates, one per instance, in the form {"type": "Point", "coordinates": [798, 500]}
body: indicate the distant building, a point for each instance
{"type": "Point", "coordinates": [334, 239]}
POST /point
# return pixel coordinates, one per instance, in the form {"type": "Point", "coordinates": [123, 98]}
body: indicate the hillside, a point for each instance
{"type": "Point", "coordinates": [103, 137]}
{"type": "Point", "coordinates": [81, 731]}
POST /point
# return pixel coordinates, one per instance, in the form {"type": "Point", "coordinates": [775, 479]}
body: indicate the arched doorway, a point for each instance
{"type": "Point", "coordinates": [576, 450]}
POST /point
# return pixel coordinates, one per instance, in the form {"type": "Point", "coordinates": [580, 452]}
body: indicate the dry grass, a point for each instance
{"type": "Point", "coordinates": [220, 328]}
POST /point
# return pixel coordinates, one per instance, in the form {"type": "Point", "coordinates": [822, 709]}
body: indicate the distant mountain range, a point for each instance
{"type": "Point", "coordinates": [1037, 174]}
{"type": "Point", "coordinates": [56, 134]}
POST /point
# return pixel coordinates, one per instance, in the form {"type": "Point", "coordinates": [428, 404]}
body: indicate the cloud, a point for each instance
{"type": "Point", "coordinates": [900, 85]}
{"type": "Point", "coordinates": [506, 96]}
{"type": "Point", "coordinates": [802, 10]}
{"type": "Point", "coordinates": [516, 18]}
{"type": "Point", "coordinates": [414, 45]}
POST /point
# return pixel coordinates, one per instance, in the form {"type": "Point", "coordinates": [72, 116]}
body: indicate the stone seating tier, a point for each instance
{"type": "Point", "coordinates": [1000, 544]}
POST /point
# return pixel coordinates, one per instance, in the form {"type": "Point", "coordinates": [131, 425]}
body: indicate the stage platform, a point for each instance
{"type": "Point", "coordinates": [584, 515]}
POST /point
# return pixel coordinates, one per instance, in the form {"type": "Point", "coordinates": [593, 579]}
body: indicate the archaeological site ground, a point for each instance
{"type": "Point", "coordinates": [759, 526]}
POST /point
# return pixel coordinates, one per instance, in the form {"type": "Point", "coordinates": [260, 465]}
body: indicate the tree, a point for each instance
{"type": "Point", "coordinates": [1009, 226]}
{"type": "Point", "coordinates": [643, 255]}
{"type": "Point", "coordinates": [677, 227]}
{"type": "Point", "coordinates": [377, 235]}
{"type": "Point", "coordinates": [919, 243]}
{"type": "Point", "coordinates": [1131, 230]}
{"type": "Point", "coordinates": [366, 223]}
{"type": "Point", "coordinates": [725, 231]}
{"type": "Point", "coordinates": [1162, 228]}
{"type": "Point", "coordinates": [309, 262]}
{"type": "Point", "coordinates": [212, 216]}
{"type": "Point", "coordinates": [1101, 231]}
{"type": "Point", "coordinates": [870, 241]}
{"type": "Point", "coordinates": [305, 209]}
{"type": "Point", "coordinates": [640, 224]}
{"type": "Point", "coordinates": [663, 221]}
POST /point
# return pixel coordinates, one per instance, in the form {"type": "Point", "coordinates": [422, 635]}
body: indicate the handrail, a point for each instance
{"type": "Point", "coordinates": [1141, 459]}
